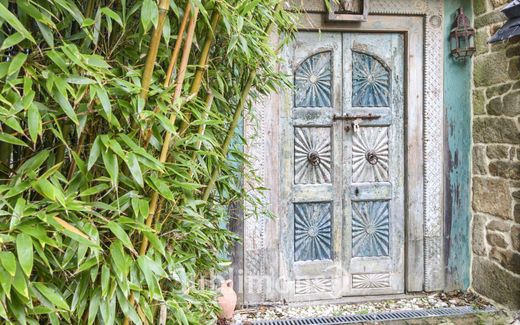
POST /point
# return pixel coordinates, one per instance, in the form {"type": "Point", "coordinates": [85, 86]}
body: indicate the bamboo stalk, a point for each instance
{"type": "Point", "coordinates": [236, 117]}
{"type": "Point", "coordinates": [167, 137]}
{"type": "Point", "coordinates": [164, 5]}
{"type": "Point", "coordinates": [231, 132]}
{"type": "Point", "coordinates": [202, 67]}
{"type": "Point", "coordinates": [182, 73]}
{"type": "Point", "coordinates": [202, 127]}
{"type": "Point", "coordinates": [177, 47]}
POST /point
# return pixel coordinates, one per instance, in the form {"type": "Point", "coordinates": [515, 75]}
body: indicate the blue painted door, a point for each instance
{"type": "Point", "coordinates": [343, 166]}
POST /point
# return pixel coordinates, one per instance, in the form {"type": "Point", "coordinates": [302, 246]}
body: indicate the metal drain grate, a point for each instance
{"type": "Point", "coordinates": [378, 317]}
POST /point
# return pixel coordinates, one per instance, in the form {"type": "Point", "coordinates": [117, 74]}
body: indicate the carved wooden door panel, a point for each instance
{"type": "Point", "coordinates": [342, 163]}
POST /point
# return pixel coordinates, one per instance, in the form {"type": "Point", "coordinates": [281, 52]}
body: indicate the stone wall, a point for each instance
{"type": "Point", "coordinates": [496, 160]}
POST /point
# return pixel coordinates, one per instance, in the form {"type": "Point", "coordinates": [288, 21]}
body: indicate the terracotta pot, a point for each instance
{"type": "Point", "coordinates": [227, 300]}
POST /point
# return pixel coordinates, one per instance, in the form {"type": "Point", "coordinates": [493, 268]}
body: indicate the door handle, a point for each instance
{"type": "Point", "coordinates": [348, 117]}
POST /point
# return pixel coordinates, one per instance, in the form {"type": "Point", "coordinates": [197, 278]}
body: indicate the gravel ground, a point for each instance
{"type": "Point", "coordinates": [441, 300]}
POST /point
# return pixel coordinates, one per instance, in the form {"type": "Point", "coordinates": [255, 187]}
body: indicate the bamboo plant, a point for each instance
{"type": "Point", "coordinates": [116, 162]}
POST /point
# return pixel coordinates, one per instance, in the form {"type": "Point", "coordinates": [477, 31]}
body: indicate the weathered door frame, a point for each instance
{"type": "Point", "coordinates": [421, 24]}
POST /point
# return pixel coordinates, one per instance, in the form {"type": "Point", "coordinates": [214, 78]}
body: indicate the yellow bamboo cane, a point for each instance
{"type": "Point", "coordinates": [182, 72]}
{"type": "Point", "coordinates": [167, 138]}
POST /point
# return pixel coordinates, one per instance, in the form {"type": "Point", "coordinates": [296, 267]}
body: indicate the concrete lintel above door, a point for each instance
{"type": "Point", "coordinates": [424, 143]}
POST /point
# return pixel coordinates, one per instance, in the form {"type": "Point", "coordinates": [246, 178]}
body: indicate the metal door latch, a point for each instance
{"type": "Point", "coordinates": [348, 117]}
{"type": "Point", "coordinates": [356, 120]}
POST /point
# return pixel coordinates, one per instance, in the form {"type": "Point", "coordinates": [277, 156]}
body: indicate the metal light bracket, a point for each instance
{"type": "Point", "coordinates": [342, 14]}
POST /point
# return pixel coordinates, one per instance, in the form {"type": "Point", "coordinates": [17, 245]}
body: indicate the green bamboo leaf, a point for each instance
{"type": "Point", "coordinates": [12, 40]}
{"type": "Point", "coordinates": [52, 295]}
{"type": "Point", "coordinates": [34, 12]}
{"type": "Point", "coordinates": [16, 64]}
{"type": "Point", "coordinates": [35, 162]}
{"type": "Point", "coordinates": [34, 120]}
{"type": "Point", "coordinates": [24, 250]}
{"type": "Point", "coordinates": [105, 101]}
{"type": "Point", "coordinates": [58, 59]}
{"type": "Point", "coordinates": [95, 151]}
{"type": "Point", "coordinates": [71, 231]}
{"type": "Point", "coordinates": [96, 61]}
{"type": "Point", "coordinates": [94, 190]}
{"type": "Point", "coordinates": [65, 106]}
{"type": "Point", "coordinates": [13, 123]}
{"type": "Point", "coordinates": [111, 165]}
{"type": "Point", "coordinates": [11, 19]}
{"type": "Point", "coordinates": [105, 280]}
{"type": "Point", "coordinates": [118, 257]}
{"type": "Point", "coordinates": [20, 284]}
{"type": "Point", "coordinates": [127, 309]}
{"type": "Point", "coordinates": [45, 188]}
{"type": "Point", "coordinates": [161, 187]}
{"type": "Point", "coordinates": [155, 267]}
{"type": "Point", "coordinates": [156, 242]}
{"type": "Point", "coordinates": [80, 80]}
{"type": "Point", "coordinates": [46, 33]}
{"type": "Point", "coordinates": [120, 233]}
{"type": "Point", "coordinates": [114, 16]}
{"type": "Point", "coordinates": [8, 261]}
{"type": "Point", "coordinates": [135, 169]}
{"type": "Point", "coordinates": [4, 137]}
{"type": "Point", "coordinates": [3, 312]}
{"type": "Point", "coordinates": [149, 14]}
{"type": "Point", "coordinates": [7, 281]}
{"type": "Point", "coordinates": [108, 310]}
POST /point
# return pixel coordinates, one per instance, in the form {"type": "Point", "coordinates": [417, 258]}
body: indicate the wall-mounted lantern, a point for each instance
{"type": "Point", "coordinates": [462, 37]}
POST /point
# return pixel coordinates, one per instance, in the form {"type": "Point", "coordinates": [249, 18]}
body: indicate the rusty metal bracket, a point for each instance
{"type": "Point", "coordinates": [348, 117]}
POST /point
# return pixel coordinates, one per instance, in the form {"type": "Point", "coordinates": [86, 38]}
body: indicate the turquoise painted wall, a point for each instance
{"type": "Point", "coordinates": [457, 103]}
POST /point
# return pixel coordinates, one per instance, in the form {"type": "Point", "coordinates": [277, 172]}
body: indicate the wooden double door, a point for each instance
{"type": "Point", "coordinates": [343, 166]}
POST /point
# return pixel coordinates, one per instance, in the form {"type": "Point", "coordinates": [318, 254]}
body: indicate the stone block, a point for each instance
{"type": "Point", "coordinates": [498, 3]}
{"type": "Point", "coordinates": [516, 213]}
{"type": "Point", "coordinates": [490, 69]}
{"type": "Point", "coordinates": [513, 51]}
{"type": "Point", "coordinates": [492, 196]}
{"type": "Point", "coordinates": [513, 263]}
{"type": "Point", "coordinates": [491, 280]}
{"type": "Point", "coordinates": [498, 255]}
{"type": "Point", "coordinates": [498, 151]}
{"type": "Point", "coordinates": [507, 258]}
{"type": "Point", "coordinates": [495, 106]}
{"type": "Point", "coordinates": [479, 7]}
{"type": "Point", "coordinates": [511, 104]}
{"type": "Point", "coordinates": [516, 85]}
{"type": "Point", "coordinates": [490, 18]}
{"type": "Point", "coordinates": [497, 90]}
{"type": "Point", "coordinates": [505, 169]}
{"type": "Point", "coordinates": [479, 160]}
{"type": "Point", "coordinates": [498, 225]}
{"type": "Point", "coordinates": [479, 102]}
{"type": "Point", "coordinates": [515, 237]}
{"type": "Point", "coordinates": [478, 244]}
{"type": "Point", "coordinates": [514, 68]}
{"type": "Point", "coordinates": [496, 240]}
{"type": "Point", "coordinates": [481, 38]}
{"type": "Point", "coordinates": [495, 130]}
{"type": "Point", "coordinates": [516, 195]}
